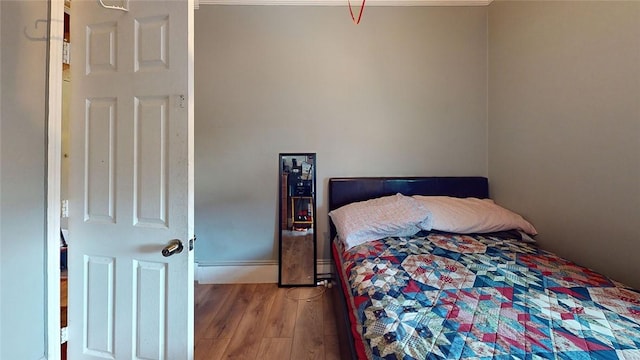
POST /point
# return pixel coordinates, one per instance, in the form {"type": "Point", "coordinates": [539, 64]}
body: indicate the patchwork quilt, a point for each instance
{"type": "Point", "coordinates": [493, 296]}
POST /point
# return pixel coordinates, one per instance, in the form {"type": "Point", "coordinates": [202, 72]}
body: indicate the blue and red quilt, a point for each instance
{"type": "Point", "coordinates": [449, 296]}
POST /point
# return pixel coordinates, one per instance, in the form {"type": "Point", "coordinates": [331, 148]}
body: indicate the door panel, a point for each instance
{"type": "Point", "coordinates": [131, 181]}
{"type": "Point", "coordinates": [150, 310]}
{"type": "Point", "coordinates": [100, 307]}
{"type": "Point", "coordinates": [150, 161]}
{"type": "Point", "coordinates": [102, 42]}
{"type": "Point", "coordinates": [99, 155]}
{"type": "Point", "coordinates": [151, 43]}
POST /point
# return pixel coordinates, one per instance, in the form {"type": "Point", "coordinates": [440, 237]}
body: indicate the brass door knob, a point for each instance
{"type": "Point", "coordinates": [174, 247]}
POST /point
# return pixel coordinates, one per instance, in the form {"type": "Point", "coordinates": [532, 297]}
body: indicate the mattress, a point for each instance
{"type": "Point", "coordinates": [439, 295]}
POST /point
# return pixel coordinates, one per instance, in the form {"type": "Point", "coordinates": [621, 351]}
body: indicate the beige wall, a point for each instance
{"type": "Point", "coordinates": [564, 126]}
{"type": "Point", "coordinates": [22, 180]}
{"type": "Point", "coordinates": [403, 93]}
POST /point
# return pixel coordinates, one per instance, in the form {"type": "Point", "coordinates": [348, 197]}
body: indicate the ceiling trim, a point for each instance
{"type": "Point", "coordinates": [344, 2]}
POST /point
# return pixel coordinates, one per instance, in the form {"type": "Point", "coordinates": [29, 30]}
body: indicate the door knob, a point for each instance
{"type": "Point", "coordinates": [174, 247]}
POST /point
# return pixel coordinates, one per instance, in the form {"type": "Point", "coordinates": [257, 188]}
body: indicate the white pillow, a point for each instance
{"type": "Point", "coordinates": [472, 215]}
{"type": "Point", "coordinates": [395, 215]}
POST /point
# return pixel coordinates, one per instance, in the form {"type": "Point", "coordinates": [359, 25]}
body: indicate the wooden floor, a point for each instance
{"type": "Point", "coordinates": [262, 321]}
{"type": "Point", "coordinates": [258, 321]}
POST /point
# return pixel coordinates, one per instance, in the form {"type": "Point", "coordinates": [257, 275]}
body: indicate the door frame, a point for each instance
{"type": "Point", "coordinates": [53, 173]}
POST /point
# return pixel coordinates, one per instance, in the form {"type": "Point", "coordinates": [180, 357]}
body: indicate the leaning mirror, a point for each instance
{"type": "Point", "coordinates": [297, 218]}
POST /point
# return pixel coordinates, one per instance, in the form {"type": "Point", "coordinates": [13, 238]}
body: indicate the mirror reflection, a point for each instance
{"type": "Point", "coordinates": [297, 220]}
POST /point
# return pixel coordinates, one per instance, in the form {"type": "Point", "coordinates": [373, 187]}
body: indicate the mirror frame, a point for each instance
{"type": "Point", "coordinates": [314, 220]}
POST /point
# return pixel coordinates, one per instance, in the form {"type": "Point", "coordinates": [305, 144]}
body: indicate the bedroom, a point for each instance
{"type": "Point", "coordinates": [530, 94]}
{"type": "Point", "coordinates": [541, 97]}
{"type": "Point", "coordinates": [582, 65]}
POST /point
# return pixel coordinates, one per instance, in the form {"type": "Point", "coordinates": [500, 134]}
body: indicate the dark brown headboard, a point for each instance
{"type": "Point", "coordinates": [343, 191]}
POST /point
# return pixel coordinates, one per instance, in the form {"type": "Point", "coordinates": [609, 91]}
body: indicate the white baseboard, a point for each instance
{"type": "Point", "coordinates": [238, 272]}
{"type": "Point", "coordinates": [246, 272]}
{"type": "Point", "coordinates": [324, 266]}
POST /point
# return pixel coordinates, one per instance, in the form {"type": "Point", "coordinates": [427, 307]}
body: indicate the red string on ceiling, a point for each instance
{"type": "Point", "coordinates": [359, 15]}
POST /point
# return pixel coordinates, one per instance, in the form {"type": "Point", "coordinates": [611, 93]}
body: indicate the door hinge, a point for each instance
{"type": "Point", "coordinates": [64, 209]}
{"type": "Point", "coordinates": [64, 335]}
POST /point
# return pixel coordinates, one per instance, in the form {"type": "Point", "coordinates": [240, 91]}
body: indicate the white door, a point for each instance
{"type": "Point", "coordinates": [131, 180]}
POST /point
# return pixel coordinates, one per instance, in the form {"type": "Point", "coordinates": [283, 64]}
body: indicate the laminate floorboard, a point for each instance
{"type": "Point", "coordinates": [262, 321]}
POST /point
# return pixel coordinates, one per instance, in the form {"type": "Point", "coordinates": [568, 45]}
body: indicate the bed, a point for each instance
{"type": "Point", "coordinates": [449, 295]}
